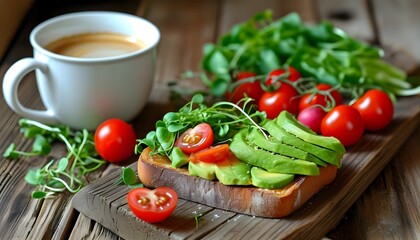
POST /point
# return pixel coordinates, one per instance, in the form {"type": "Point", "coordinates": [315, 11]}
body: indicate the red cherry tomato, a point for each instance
{"type": "Point", "coordinates": [309, 99]}
{"type": "Point", "coordinates": [294, 75]}
{"type": "Point", "coordinates": [152, 205]}
{"type": "Point", "coordinates": [115, 140]}
{"type": "Point", "coordinates": [344, 123]}
{"type": "Point", "coordinates": [376, 109]}
{"type": "Point", "coordinates": [284, 98]}
{"type": "Point", "coordinates": [249, 89]}
{"type": "Point", "coordinates": [195, 139]}
{"type": "Point", "coordinates": [212, 154]}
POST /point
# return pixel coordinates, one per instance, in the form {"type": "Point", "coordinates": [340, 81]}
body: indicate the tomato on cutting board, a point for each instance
{"type": "Point", "coordinates": [376, 108]}
{"type": "Point", "coordinates": [152, 205]}
{"type": "Point", "coordinates": [195, 139]}
{"type": "Point", "coordinates": [344, 123]}
{"type": "Point", "coordinates": [115, 140]}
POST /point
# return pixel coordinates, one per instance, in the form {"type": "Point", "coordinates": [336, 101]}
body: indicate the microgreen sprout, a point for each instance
{"type": "Point", "coordinates": [197, 217]}
{"type": "Point", "coordinates": [67, 174]}
{"type": "Point", "coordinates": [129, 178]}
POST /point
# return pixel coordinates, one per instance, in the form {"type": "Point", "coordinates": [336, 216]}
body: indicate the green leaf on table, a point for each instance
{"type": "Point", "coordinates": [33, 177]}
{"type": "Point", "coordinates": [10, 152]}
{"type": "Point", "coordinates": [62, 165]}
{"type": "Point", "coordinates": [41, 194]}
{"type": "Point", "coordinates": [41, 146]}
{"type": "Point", "coordinates": [129, 178]}
{"type": "Point", "coordinates": [32, 131]}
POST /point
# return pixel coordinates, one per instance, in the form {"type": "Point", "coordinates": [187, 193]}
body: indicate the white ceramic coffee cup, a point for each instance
{"type": "Point", "coordinates": [83, 92]}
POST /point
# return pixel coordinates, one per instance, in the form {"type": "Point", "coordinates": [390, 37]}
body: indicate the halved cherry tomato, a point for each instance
{"type": "Point", "coordinates": [344, 123]}
{"type": "Point", "coordinates": [115, 140]}
{"type": "Point", "coordinates": [152, 205]}
{"type": "Point", "coordinates": [376, 109]}
{"type": "Point", "coordinates": [249, 89]}
{"type": "Point", "coordinates": [212, 154]}
{"type": "Point", "coordinates": [195, 139]}
{"type": "Point", "coordinates": [284, 98]}
{"type": "Point", "coordinates": [321, 99]}
{"type": "Point", "coordinates": [294, 75]}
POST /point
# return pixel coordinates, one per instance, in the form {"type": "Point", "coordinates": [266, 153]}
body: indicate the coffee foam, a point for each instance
{"type": "Point", "coordinates": [95, 45]}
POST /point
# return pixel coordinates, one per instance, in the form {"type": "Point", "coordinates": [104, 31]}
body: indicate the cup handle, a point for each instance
{"type": "Point", "coordinates": [12, 79]}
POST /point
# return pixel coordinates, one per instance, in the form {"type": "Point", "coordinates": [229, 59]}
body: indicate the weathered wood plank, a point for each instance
{"type": "Point", "coordinates": [185, 27]}
{"type": "Point", "coordinates": [351, 16]}
{"type": "Point", "coordinates": [12, 14]}
{"type": "Point", "coordinates": [385, 210]}
{"type": "Point", "coordinates": [395, 21]}
{"type": "Point", "coordinates": [89, 229]}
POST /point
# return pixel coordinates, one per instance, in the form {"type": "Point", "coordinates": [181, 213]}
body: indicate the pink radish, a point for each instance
{"type": "Point", "coordinates": [312, 117]}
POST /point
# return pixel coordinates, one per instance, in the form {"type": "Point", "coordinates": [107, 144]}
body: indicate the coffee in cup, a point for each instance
{"type": "Point", "coordinates": [95, 45]}
{"type": "Point", "coordinates": [90, 66]}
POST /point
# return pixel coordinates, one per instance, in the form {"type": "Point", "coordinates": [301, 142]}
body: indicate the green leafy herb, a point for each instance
{"type": "Point", "coordinates": [57, 176]}
{"type": "Point", "coordinates": [321, 51]}
{"type": "Point", "coordinates": [225, 118]}
{"type": "Point", "coordinates": [197, 217]}
{"type": "Point", "coordinates": [129, 178]}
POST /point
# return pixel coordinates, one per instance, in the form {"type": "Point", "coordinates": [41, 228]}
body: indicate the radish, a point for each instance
{"type": "Point", "coordinates": [312, 117]}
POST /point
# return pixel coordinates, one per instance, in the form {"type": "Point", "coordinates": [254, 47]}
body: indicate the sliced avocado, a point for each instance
{"type": "Point", "coordinates": [202, 169]}
{"type": "Point", "coordinates": [178, 158]}
{"type": "Point", "coordinates": [269, 180]}
{"type": "Point", "coordinates": [289, 123]}
{"type": "Point", "coordinates": [229, 172]}
{"type": "Point", "coordinates": [233, 172]}
{"type": "Point", "coordinates": [255, 156]}
{"type": "Point", "coordinates": [273, 145]}
{"type": "Point", "coordinates": [324, 154]}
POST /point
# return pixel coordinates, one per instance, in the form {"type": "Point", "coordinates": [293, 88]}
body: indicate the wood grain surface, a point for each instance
{"type": "Point", "coordinates": [388, 208]}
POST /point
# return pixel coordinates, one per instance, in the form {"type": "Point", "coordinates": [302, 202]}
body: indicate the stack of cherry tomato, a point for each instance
{"type": "Point", "coordinates": [322, 109]}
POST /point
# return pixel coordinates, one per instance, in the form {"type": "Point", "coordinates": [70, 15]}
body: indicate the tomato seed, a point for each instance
{"type": "Point", "coordinates": [143, 201]}
{"type": "Point", "coordinates": [161, 200]}
{"type": "Point", "coordinates": [192, 138]}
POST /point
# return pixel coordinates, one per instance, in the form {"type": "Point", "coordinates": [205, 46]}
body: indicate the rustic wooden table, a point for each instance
{"type": "Point", "coordinates": [388, 208]}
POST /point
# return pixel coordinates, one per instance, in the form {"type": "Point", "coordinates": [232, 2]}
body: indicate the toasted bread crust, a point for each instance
{"type": "Point", "coordinates": [155, 171]}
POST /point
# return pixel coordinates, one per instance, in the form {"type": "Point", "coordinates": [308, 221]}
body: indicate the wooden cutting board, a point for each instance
{"type": "Point", "coordinates": [104, 201]}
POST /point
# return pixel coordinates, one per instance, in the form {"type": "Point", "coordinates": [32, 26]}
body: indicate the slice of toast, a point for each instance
{"type": "Point", "coordinates": [156, 171]}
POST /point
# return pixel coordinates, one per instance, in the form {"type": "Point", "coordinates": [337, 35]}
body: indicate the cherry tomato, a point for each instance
{"type": "Point", "coordinates": [376, 109]}
{"type": "Point", "coordinates": [249, 89]}
{"type": "Point", "coordinates": [152, 205]}
{"type": "Point", "coordinates": [344, 123]}
{"type": "Point", "coordinates": [212, 154]}
{"type": "Point", "coordinates": [321, 99]}
{"type": "Point", "coordinates": [115, 140]}
{"type": "Point", "coordinates": [195, 139]}
{"type": "Point", "coordinates": [284, 98]}
{"type": "Point", "coordinates": [294, 75]}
